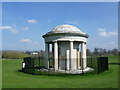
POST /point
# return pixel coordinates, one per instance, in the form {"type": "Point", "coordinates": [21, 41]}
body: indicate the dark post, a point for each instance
{"type": "Point", "coordinates": [65, 65]}
{"type": "Point", "coordinates": [39, 62]}
{"type": "Point", "coordinates": [91, 61]}
{"type": "Point", "coordinates": [98, 65]}
{"type": "Point", "coordinates": [107, 63]}
{"type": "Point", "coordinates": [49, 66]}
{"type": "Point", "coordinates": [82, 65]}
{"type": "Point", "coordinates": [33, 65]}
{"type": "Point", "coordinates": [52, 55]}
{"type": "Point", "coordinates": [102, 64]}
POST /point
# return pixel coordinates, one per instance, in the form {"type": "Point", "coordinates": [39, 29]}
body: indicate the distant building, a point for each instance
{"type": "Point", "coordinates": [34, 53]}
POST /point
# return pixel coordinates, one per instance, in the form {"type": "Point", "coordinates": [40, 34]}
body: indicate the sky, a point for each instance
{"type": "Point", "coordinates": [24, 23]}
{"type": "Point", "coordinates": [0, 26]}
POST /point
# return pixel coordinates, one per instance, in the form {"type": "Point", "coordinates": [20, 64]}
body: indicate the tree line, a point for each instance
{"type": "Point", "coordinates": [41, 53]}
{"type": "Point", "coordinates": [102, 52]}
{"type": "Point", "coordinates": [14, 55]}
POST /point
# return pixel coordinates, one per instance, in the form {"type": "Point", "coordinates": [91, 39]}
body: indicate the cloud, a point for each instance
{"type": "Point", "coordinates": [5, 27]}
{"type": "Point", "coordinates": [25, 41]}
{"type": "Point", "coordinates": [102, 29]}
{"type": "Point", "coordinates": [113, 33]}
{"type": "Point", "coordinates": [104, 33]}
{"type": "Point", "coordinates": [32, 21]}
{"type": "Point", "coordinates": [28, 41]}
{"type": "Point", "coordinates": [9, 28]}
{"type": "Point", "coordinates": [73, 22]}
{"type": "Point", "coordinates": [49, 20]}
{"type": "Point", "coordinates": [35, 42]}
{"type": "Point", "coordinates": [25, 28]}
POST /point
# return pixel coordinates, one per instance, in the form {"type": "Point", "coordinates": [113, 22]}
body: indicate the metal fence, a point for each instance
{"type": "Point", "coordinates": [32, 64]}
{"type": "Point", "coordinates": [99, 64]}
{"type": "Point", "coordinates": [36, 65]}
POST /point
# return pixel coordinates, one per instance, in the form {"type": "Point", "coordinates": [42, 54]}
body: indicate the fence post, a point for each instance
{"type": "Point", "coordinates": [102, 64]}
{"type": "Point", "coordinates": [49, 66]}
{"type": "Point", "coordinates": [91, 61]}
{"type": "Point", "coordinates": [65, 66]}
{"type": "Point", "coordinates": [33, 65]}
{"type": "Point", "coordinates": [98, 64]}
{"type": "Point", "coordinates": [82, 65]}
{"type": "Point", "coordinates": [107, 67]}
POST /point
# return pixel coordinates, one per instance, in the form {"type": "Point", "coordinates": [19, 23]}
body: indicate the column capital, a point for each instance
{"type": "Point", "coordinates": [55, 41]}
{"type": "Point", "coordinates": [71, 40]}
{"type": "Point", "coordinates": [83, 42]}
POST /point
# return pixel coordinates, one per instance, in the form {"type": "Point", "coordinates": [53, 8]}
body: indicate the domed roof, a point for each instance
{"type": "Point", "coordinates": [66, 29]}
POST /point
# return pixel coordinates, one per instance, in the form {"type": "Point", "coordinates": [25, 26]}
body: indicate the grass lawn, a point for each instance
{"type": "Point", "coordinates": [0, 74]}
{"type": "Point", "coordinates": [14, 79]}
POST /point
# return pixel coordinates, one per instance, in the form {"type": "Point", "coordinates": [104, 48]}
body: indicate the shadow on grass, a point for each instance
{"type": "Point", "coordinates": [63, 74]}
{"type": "Point", "coordinates": [114, 63]}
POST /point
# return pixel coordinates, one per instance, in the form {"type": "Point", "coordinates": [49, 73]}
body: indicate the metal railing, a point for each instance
{"type": "Point", "coordinates": [36, 65]}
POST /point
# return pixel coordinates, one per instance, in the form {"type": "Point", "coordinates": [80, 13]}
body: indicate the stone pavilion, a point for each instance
{"type": "Point", "coordinates": [68, 49]}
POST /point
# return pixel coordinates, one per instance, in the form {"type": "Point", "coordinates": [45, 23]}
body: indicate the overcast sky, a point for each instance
{"type": "Point", "coordinates": [23, 24]}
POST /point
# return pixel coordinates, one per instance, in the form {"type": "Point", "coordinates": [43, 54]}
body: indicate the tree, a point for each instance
{"type": "Point", "coordinates": [96, 51]}
{"type": "Point", "coordinates": [102, 51]}
{"type": "Point", "coordinates": [114, 51]}
{"type": "Point", "coordinates": [88, 52]}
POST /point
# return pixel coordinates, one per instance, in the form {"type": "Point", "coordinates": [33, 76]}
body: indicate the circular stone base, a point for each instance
{"type": "Point", "coordinates": [77, 71]}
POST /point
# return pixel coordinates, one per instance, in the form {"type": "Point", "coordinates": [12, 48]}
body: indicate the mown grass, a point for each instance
{"type": "Point", "coordinates": [14, 79]}
{"type": "Point", "coordinates": [0, 74]}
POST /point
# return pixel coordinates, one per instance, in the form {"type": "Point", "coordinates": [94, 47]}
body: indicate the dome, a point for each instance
{"type": "Point", "coordinates": [66, 30]}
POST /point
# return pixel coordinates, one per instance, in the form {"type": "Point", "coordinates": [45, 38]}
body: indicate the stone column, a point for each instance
{"type": "Point", "coordinates": [52, 55]}
{"type": "Point", "coordinates": [84, 63]}
{"type": "Point", "coordinates": [47, 55]}
{"type": "Point", "coordinates": [71, 56]}
{"type": "Point", "coordinates": [56, 55]}
{"type": "Point", "coordinates": [78, 59]}
{"type": "Point", "coordinates": [68, 58]}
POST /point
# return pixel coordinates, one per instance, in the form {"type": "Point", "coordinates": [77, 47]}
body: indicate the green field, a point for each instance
{"type": "Point", "coordinates": [0, 74]}
{"type": "Point", "coordinates": [14, 79]}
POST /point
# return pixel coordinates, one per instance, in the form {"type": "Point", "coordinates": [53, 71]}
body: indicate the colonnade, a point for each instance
{"type": "Point", "coordinates": [71, 62]}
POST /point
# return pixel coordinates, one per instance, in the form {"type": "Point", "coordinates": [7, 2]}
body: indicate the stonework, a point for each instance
{"type": "Point", "coordinates": [69, 48]}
